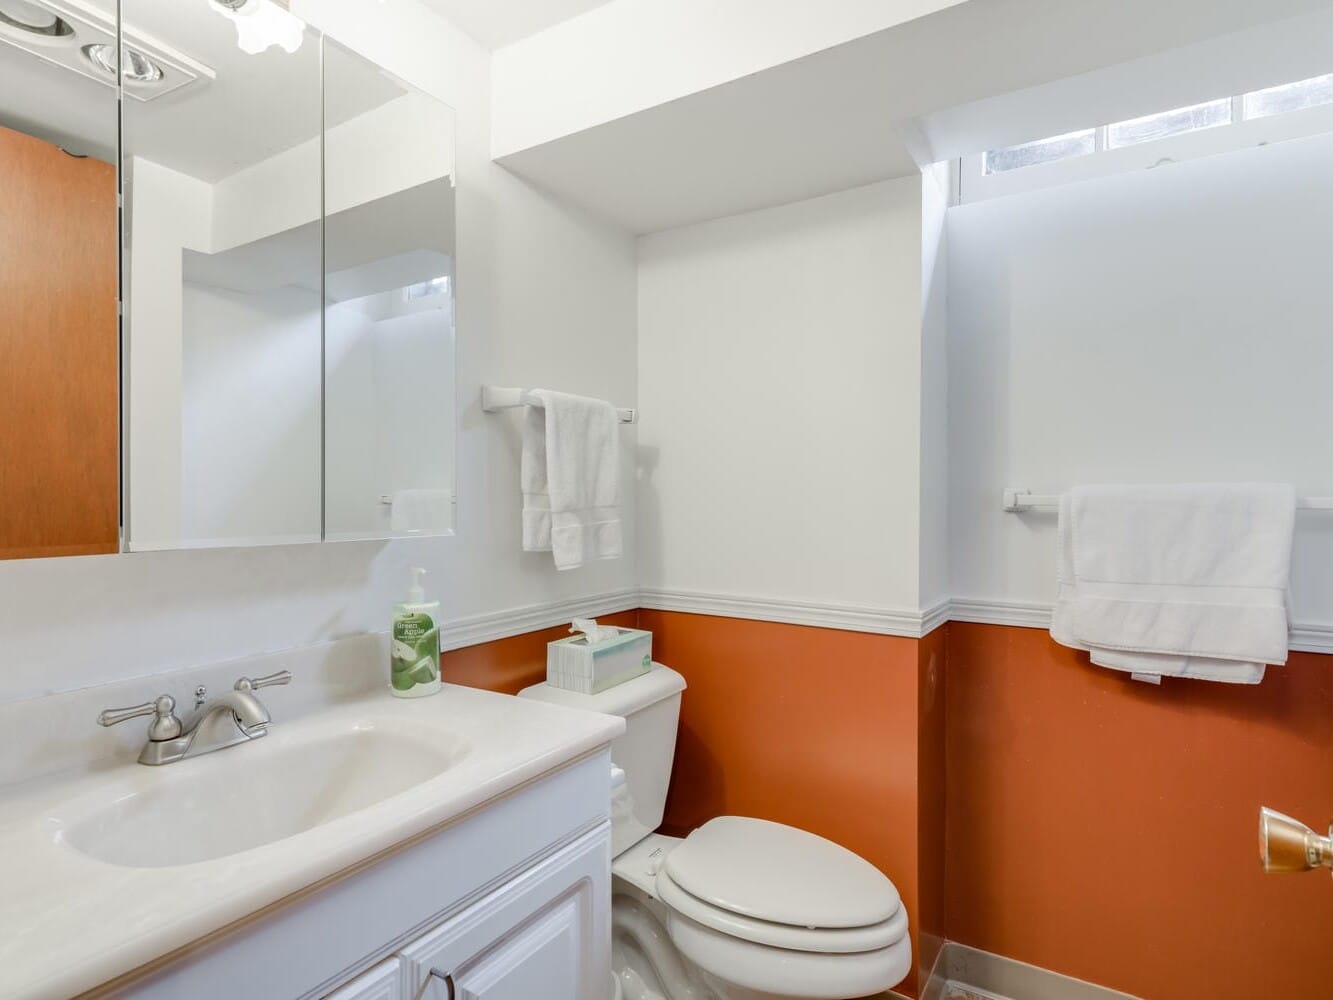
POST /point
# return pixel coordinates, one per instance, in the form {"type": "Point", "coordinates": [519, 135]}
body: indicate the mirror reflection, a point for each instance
{"type": "Point", "coordinates": [389, 304]}
{"type": "Point", "coordinates": [289, 289]}
{"type": "Point", "coordinates": [59, 384]}
{"type": "Point", "coordinates": [222, 292]}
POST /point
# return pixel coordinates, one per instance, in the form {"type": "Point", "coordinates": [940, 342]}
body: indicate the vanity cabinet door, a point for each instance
{"type": "Point", "coordinates": [546, 934]}
{"type": "Point", "coordinates": [383, 982]}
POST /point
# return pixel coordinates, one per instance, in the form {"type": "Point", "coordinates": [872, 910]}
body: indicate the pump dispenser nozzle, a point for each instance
{"type": "Point", "coordinates": [416, 594]}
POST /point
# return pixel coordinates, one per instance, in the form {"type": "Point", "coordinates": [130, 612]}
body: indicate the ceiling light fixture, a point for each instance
{"type": "Point", "coordinates": [33, 19]}
{"type": "Point", "coordinates": [261, 24]}
{"type": "Point", "coordinates": [137, 68]}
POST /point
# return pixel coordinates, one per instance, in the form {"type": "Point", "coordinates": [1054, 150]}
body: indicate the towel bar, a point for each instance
{"type": "Point", "coordinates": [499, 397]}
{"type": "Point", "coordinates": [1017, 501]}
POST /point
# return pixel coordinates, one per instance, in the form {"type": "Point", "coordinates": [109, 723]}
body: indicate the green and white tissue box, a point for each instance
{"type": "Point", "coordinates": [575, 664]}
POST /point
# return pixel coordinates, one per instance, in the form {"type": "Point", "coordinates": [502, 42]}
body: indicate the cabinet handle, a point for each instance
{"type": "Point", "coordinates": [435, 973]}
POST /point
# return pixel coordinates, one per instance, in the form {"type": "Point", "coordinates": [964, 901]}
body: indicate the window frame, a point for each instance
{"type": "Point", "coordinates": [976, 185]}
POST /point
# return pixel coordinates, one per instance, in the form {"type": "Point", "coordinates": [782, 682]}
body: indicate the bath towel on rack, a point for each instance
{"type": "Point", "coordinates": [570, 474]}
{"type": "Point", "coordinates": [1187, 581]}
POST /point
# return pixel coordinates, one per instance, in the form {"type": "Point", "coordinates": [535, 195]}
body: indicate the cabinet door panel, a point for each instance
{"type": "Point", "coordinates": [545, 934]}
{"type": "Point", "coordinates": [542, 959]}
{"type": "Point", "coordinates": [383, 982]}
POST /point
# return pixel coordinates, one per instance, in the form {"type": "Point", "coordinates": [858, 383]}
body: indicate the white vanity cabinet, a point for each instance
{"type": "Point", "coordinates": [510, 902]}
{"type": "Point", "coordinates": [547, 934]}
{"type": "Point", "coordinates": [384, 982]}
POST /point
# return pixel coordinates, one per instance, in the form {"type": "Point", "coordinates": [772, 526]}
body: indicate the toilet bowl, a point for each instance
{"type": "Point", "coordinates": [741, 908]}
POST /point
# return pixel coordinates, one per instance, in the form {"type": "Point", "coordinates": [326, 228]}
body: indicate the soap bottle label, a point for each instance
{"type": "Point", "coordinates": [415, 655]}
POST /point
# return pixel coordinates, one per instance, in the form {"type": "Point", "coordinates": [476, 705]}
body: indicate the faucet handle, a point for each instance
{"type": "Point", "coordinates": [272, 680]}
{"type": "Point", "coordinates": [165, 725]}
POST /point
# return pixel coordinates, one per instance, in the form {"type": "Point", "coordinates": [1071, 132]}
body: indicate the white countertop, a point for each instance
{"type": "Point", "coordinates": [69, 922]}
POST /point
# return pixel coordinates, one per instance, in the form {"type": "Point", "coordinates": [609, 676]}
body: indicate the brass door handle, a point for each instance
{"type": "Point", "coordinates": [1288, 845]}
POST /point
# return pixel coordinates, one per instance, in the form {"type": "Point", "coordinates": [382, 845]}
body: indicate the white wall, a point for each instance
{"type": "Point", "coordinates": [1166, 325]}
{"type": "Point", "coordinates": [169, 211]}
{"type": "Point", "coordinates": [779, 369]}
{"type": "Point", "coordinates": [389, 408]}
{"type": "Point", "coordinates": [546, 297]}
{"type": "Point", "coordinates": [934, 555]}
{"type": "Point", "coordinates": [250, 416]}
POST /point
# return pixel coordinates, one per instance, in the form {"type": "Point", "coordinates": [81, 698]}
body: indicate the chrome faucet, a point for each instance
{"type": "Point", "coordinates": [236, 717]}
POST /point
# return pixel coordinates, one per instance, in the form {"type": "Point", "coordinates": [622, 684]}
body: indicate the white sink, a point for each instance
{"type": "Point", "coordinates": [252, 794]}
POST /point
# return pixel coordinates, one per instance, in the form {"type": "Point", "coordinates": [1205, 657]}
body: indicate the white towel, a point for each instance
{"type": "Point", "coordinates": [1184, 581]}
{"type": "Point", "coordinates": [570, 474]}
{"type": "Point", "coordinates": [421, 511]}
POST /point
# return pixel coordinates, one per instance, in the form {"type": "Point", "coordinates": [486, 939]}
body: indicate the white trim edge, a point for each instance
{"type": "Point", "coordinates": [1024, 614]}
{"type": "Point", "coordinates": [848, 617]}
{"type": "Point", "coordinates": [1305, 637]}
{"type": "Point", "coordinates": [516, 621]}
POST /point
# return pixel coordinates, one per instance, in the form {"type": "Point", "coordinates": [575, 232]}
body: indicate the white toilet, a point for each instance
{"type": "Point", "coordinates": [741, 909]}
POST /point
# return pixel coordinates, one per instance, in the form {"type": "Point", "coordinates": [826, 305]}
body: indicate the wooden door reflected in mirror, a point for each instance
{"type": "Point", "coordinates": [59, 355]}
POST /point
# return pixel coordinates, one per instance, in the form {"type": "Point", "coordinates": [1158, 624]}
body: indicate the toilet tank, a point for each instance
{"type": "Point", "coordinates": [650, 706]}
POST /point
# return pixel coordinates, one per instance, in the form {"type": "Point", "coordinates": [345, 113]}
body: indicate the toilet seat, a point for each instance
{"type": "Point", "coordinates": [839, 941]}
{"type": "Point", "coordinates": [776, 885]}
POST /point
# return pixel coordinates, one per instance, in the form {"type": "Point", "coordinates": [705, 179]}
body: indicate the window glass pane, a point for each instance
{"type": "Point", "coordinates": [1290, 97]}
{"type": "Point", "coordinates": [1057, 147]}
{"type": "Point", "coordinates": [1165, 123]}
{"type": "Point", "coordinates": [435, 286]}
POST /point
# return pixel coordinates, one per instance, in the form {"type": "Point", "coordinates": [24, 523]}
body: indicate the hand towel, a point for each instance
{"type": "Point", "coordinates": [1185, 581]}
{"type": "Point", "coordinates": [422, 511]}
{"type": "Point", "coordinates": [570, 474]}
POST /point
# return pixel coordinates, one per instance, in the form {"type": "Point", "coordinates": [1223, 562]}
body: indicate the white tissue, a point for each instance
{"type": "Point", "coordinates": [592, 631]}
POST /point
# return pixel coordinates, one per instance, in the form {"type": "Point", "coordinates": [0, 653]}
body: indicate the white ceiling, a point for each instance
{"type": "Point", "coordinates": [875, 107]}
{"type": "Point", "coordinates": [208, 129]}
{"type": "Point", "coordinates": [496, 23]}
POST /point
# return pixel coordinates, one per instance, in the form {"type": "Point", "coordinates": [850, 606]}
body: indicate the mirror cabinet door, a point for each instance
{"type": "Point", "coordinates": [59, 378]}
{"type": "Point", "coordinates": [282, 366]}
{"type": "Point", "coordinates": [221, 170]}
{"type": "Point", "coordinates": [389, 304]}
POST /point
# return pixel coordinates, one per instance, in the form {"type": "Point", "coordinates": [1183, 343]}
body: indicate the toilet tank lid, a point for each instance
{"type": "Point", "coordinates": [656, 685]}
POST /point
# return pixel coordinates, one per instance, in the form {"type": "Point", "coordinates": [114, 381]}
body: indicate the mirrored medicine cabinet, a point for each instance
{"type": "Point", "coordinates": [257, 347]}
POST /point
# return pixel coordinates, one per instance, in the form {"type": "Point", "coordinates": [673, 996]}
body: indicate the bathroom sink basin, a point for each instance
{"type": "Point", "coordinates": [248, 796]}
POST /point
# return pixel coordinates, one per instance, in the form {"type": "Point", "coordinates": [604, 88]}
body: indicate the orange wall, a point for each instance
{"type": "Point", "coordinates": [807, 726]}
{"type": "Point", "coordinates": [840, 733]}
{"type": "Point", "coordinates": [1092, 825]}
{"type": "Point", "coordinates": [932, 745]}
{"type": "Point", "coordinates": [510, 665]}
{"type": "Point", "coordinates": [1107, 829]}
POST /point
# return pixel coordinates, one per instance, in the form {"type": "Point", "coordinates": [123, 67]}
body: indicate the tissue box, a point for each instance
{"type": "Point", "coordinates": [574, 664]}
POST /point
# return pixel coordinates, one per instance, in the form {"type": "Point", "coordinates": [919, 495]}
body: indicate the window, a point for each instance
{"type": "Point", "coordinates": [1290, 97]}
{"type": "Point", "coordinates": [1288, 111]}
{"type": "Point", "coordinates": [1057, 147]}
{"type": "Point", "coordinates": [436, 286]}
{"type": "Point", "coordinates": [1166, 123]}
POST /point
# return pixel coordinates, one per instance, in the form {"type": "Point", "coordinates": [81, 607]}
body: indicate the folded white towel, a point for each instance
{"type": "Point", "coordinates": [1185, 581]}
{"type": "Point", "coordinates": [422, 511]}
{"type": "Point", "coordinates": [570, 474]}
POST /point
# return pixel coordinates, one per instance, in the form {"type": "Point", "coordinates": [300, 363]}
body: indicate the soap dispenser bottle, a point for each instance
{"type": "Point", "coordinates": [414, 645]}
